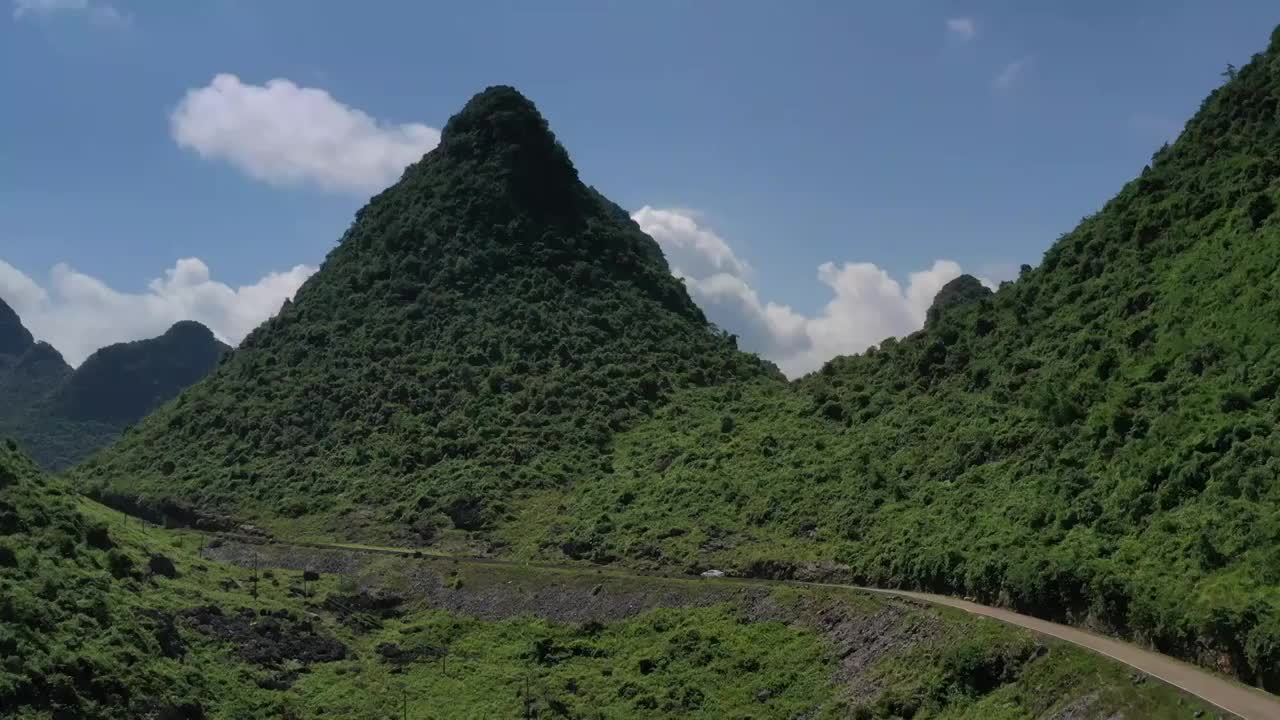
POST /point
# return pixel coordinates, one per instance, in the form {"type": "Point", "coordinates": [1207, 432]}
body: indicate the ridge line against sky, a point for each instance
{"type": "Point", "coordinates": [288, 136]}
{"type": "Point", "coordinates": [308, 144]}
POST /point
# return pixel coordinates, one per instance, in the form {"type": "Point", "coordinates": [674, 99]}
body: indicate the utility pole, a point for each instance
{"type": "Point", "coordinates": [255, 575]}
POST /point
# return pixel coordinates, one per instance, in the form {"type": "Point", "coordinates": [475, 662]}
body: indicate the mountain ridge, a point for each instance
{"type": "Point", "coordinates": [62, 414]}
{"type": "Point", "coordinates": [1094, 442]}
{"type": "Point", "coordinates": [489, 363]}
{"type": "Point", "coordinates": [480, 331]}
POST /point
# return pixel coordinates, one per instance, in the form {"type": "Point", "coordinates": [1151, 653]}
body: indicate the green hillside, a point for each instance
{"type": "Point", "coordinates": [483, 328]}
{"type": "Point", "coordinates": [495, 352]}
{"type": "Point", "coordinates": [1096, 441]}
{"type": "Point", "coordinates": [104, 617]}
{"type": "Point", "coordinates": [61, 416]}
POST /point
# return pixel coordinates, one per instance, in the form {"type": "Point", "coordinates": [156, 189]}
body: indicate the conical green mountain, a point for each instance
{"type": "Point", "coordinates": [1097, 440]}
{"type": "Point", "coordinates": [482, 329]}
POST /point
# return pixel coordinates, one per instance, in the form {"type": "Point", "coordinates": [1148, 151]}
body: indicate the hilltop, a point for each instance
{"type": "Point", "coordinates": [483, 329]}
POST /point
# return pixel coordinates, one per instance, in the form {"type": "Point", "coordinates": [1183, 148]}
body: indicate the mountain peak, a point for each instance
{"type": "Point", "coordinates": [15, 339]}
{"type": "Point", "coordinates": [499, 134]}
{"type": "Point", "coordinates": [190, 330]}
{"type": "Point", "coordinates": [959, 291]}
{"type": "Point", "coordinates": [489, 317]}
{"type": "Point", "coordinates": [502, 115]}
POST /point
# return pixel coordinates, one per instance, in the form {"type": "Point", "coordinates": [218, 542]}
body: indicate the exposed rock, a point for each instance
{"type": "Point", "coordinates": [265, 638]}
{"type": "Point", "coordinates": [166, 631]}
{"type": "Point", "coordinates": [364, 610]}
{"type": "Point", "coordinates": [161, 565]}
{"type": "Point", "coordinates": [99, 537]}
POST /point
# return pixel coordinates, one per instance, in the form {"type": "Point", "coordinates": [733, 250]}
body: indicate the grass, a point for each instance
{"type": "Point", "coordinates": [83, 635]}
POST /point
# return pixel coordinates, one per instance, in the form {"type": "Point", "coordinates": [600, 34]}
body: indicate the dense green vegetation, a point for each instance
{"type": "Point", "coordinates": [103, 617]}
{"type": "Point", "coordinates": [1097, 440]}
{"type": "Point", "coordinates": [494, 350]}
{"type": "Point", "coordinates": [484, 327]}
{"type": "Point", "coordinates": [60, 416]}
{"type": "Point", "coordinates": [121, 383]}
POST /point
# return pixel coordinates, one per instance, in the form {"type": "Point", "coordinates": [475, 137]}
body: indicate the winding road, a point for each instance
{"type": "Point", "coordinates": [1240, 700]}
{"type": "Point", "coordinates": [1244, 702]}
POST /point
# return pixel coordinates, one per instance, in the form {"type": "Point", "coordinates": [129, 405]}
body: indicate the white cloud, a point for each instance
{"type": "Point", "coordinates": [288, 135]}
{"type": "Point", "coordinates": [78, 313]}
{"type": "Point", "coordinates": [691, 250]}
{"type": "Point", "coordinates": [99, 13]}
{"type": "Point", "coordinates": [1012, 74]}
{"type": "Point", "coordinates": [866, 305]}
{"type": "Point", "coordinates": [963, 28]}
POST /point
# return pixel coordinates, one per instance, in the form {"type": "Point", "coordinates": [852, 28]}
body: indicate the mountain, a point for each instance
{"type": "Point", "coordinates": [494, 348]}
{"type": "Point", "coordinates": [28, 369]}
{"type": "Point", "coordinates": [15, 339]}
{"type": "Point", "coordinates": [62, 415]}
{"type": "Point", "coordinates": [1096, 441]}
{"type": "Point", "coordinates": [480, 333]}
{"type": "Point", "coordinates": [121, 383]}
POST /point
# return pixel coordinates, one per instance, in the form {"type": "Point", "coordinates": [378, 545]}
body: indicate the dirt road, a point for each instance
{"type": "Point", "coordinates": [1239, 700]}
{"type": "Point", "coordinates": [1244, 702]}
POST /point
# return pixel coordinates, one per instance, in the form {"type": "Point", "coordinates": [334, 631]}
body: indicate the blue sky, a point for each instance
{"type": "Point", "coordinates": [890, 134]}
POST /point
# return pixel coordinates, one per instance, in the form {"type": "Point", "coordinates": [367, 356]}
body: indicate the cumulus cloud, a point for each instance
{"type": "Point", "coordinates": [866, 305]}
{"type": "Point", "coordinates": [692, 250]}
{"type": "Point", "coordinates": [1011, 75]}
{"type": "Point", "coordinates": [288, 135]}
{"type": "Point", "coordinates": [963, 28]}
{"type": "Point", "coordinates": [99, 13]}
{"type": "Point", "coordinates": [77, 313]}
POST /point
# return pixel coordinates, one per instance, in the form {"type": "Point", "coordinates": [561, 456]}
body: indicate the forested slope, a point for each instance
{"type": "Point", "coordinates": [1097, 439]}
{"type": "Point", "coordinates": [482, 328]}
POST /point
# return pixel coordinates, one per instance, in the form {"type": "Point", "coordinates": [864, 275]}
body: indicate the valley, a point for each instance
{"type": "Point", "coordinates": [476, 465]}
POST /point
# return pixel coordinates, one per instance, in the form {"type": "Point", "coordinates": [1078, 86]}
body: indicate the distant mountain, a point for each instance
{"type": "Point", "coordinates": [15, 339]}
{"type": "Point", "coordinates": [60, 415]}
{"type": "Point", "coordinates": [478, 335]}
{"type": "Point", "coordinates": [29, 370]}
{"type": "Point", "coordinates": [121, 383]}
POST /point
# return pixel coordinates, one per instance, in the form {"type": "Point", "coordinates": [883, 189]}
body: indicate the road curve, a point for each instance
{"type": "Point", "coordinates": [1245, 702]}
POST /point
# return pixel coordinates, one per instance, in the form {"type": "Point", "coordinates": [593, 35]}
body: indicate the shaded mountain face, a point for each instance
{"type": "Point", "coordinates": [121, 383]}
{"type": "Point", "coordinates": [29, 370]}
{"type": "Point", "coordinates": [15, 339]}
{"type": "Point", "coordinates": [1096, 439]}
{"type": "Point", "coordinates": [480, 333]}
{"type": "Point", "coordinates": [60, 416]}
